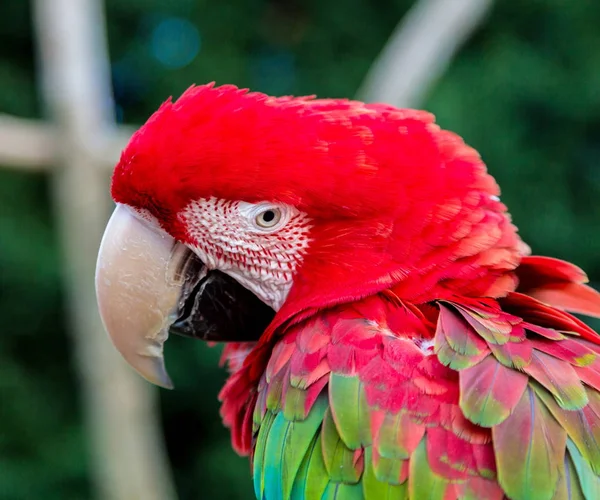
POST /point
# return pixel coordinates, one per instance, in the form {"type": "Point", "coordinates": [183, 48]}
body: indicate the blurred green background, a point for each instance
{"type": "Point", "coordinates": [524, 91]}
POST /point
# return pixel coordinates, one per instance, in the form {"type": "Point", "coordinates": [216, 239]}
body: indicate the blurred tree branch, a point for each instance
{"type": "Point", "coordinates": [127, 451]}
{"type": "Point", "coordinates": [26, 144]}
{"type": "Point", "coordinates": [30, 145]}
{"type": "Point", "coordinates": [420, 49]}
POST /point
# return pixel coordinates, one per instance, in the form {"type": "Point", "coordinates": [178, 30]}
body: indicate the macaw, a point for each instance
{"type": "Point", "coordinates": [387, 332]}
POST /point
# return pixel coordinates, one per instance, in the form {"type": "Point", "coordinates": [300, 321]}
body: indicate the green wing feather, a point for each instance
{"type": "Point", "coordinates": [530, 447]}
{"type": "Point", "coordinates": [339, 459]}
{"type": "Point", "coordinates": [424, 484]}
{"type": "Point", "coordinates": [349, 410]}
{"type": "Point", "coordinates": [374, 488]}
{"type": "Point", "coordinates": [342, 491]}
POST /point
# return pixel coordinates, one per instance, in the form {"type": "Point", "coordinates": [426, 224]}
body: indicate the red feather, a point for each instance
{"type": "Point", "coordinates": [558, 283]}
{"type": "Point", "coordinates": [489, 391]}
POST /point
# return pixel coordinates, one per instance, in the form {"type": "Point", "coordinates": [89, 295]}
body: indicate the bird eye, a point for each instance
{"type": "Point", "coordinates": [268, 218]}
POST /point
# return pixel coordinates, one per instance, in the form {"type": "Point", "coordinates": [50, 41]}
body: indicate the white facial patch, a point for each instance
{"type": "Point", "coordinates": [258, 244]}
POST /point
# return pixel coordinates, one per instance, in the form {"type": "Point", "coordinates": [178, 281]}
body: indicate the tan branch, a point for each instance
{"type": "Point", "coordinates": [32, 145]}
{"type": "Point", "coordinates": [26, 144]}
{"type": "Point", "coordinates": [420, 49]}
{"type": "Point", "coordinates": [126, 442]}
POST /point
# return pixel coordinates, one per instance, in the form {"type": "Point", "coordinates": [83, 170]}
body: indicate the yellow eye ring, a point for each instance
{"type": "Point", "coordinates": [268, 218]}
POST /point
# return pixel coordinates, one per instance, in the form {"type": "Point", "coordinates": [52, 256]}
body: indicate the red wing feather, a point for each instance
{"type": "Point", "coordinates": [559, 284]}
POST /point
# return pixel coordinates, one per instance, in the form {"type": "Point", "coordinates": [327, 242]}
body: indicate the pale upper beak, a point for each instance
{"type": "Point", "coordinates": [148, 284]}
{"type": "Point", "coordinates": [139, 289]}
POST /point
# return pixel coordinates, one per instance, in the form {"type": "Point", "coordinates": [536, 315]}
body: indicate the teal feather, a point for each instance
{"type": "Point", "coordinates": [317, 477]}
{"type": "Point", "coordinates": [259, 454]}
{"type": "Point", "coordinates": [589, 482]}
{"type": "Point", "coordinates": [568, 485]}
{"type": "Point", "coordinates": [287, 444]}
{"type": "Point", "coordinates": [272, 471]}
{"type": "Point", "coordinates": [300, 481]}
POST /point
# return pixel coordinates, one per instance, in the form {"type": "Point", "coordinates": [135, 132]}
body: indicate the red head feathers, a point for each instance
{"type": "Point", "coordinates": [392, 198]}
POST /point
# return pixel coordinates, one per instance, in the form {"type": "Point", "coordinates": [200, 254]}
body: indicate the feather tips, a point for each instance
{"type": "Point", "coordinates": [559, 284]}
{"type": "Point", "coordinates": [501, 399]}
{"type": "Point", "coordinates": [529, 448]}
{"type": "Point", "coordinates": [489, 392]}
{"type": "Point", "coordinates": [540, 378]}
{"type": "Point", "coordinates": [389, 408]}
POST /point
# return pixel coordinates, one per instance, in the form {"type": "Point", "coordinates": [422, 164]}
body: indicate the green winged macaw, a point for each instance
{"type": "Point", "coordinates": [389, 335]}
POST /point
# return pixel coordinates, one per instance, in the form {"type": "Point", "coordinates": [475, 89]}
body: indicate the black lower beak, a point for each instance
{"type": "Point", "coordinates": [219, 309]}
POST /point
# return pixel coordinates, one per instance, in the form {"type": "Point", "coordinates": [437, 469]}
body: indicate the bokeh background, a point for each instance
{"type": "Point", "coordinates": [524, 90]}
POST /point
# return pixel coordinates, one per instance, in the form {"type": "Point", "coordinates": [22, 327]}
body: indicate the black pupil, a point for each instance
{"type": "Point", "coordinates": [269, 216]}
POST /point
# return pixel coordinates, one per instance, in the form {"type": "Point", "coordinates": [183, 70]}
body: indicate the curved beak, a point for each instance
{"type": "Point", "coordinates": [148, 284]}
{"type": "Point", "coordinates": [138, 290]}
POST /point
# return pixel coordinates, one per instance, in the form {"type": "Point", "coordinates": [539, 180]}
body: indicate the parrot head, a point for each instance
{"type": "Point", "coordinates": [238, 212]}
